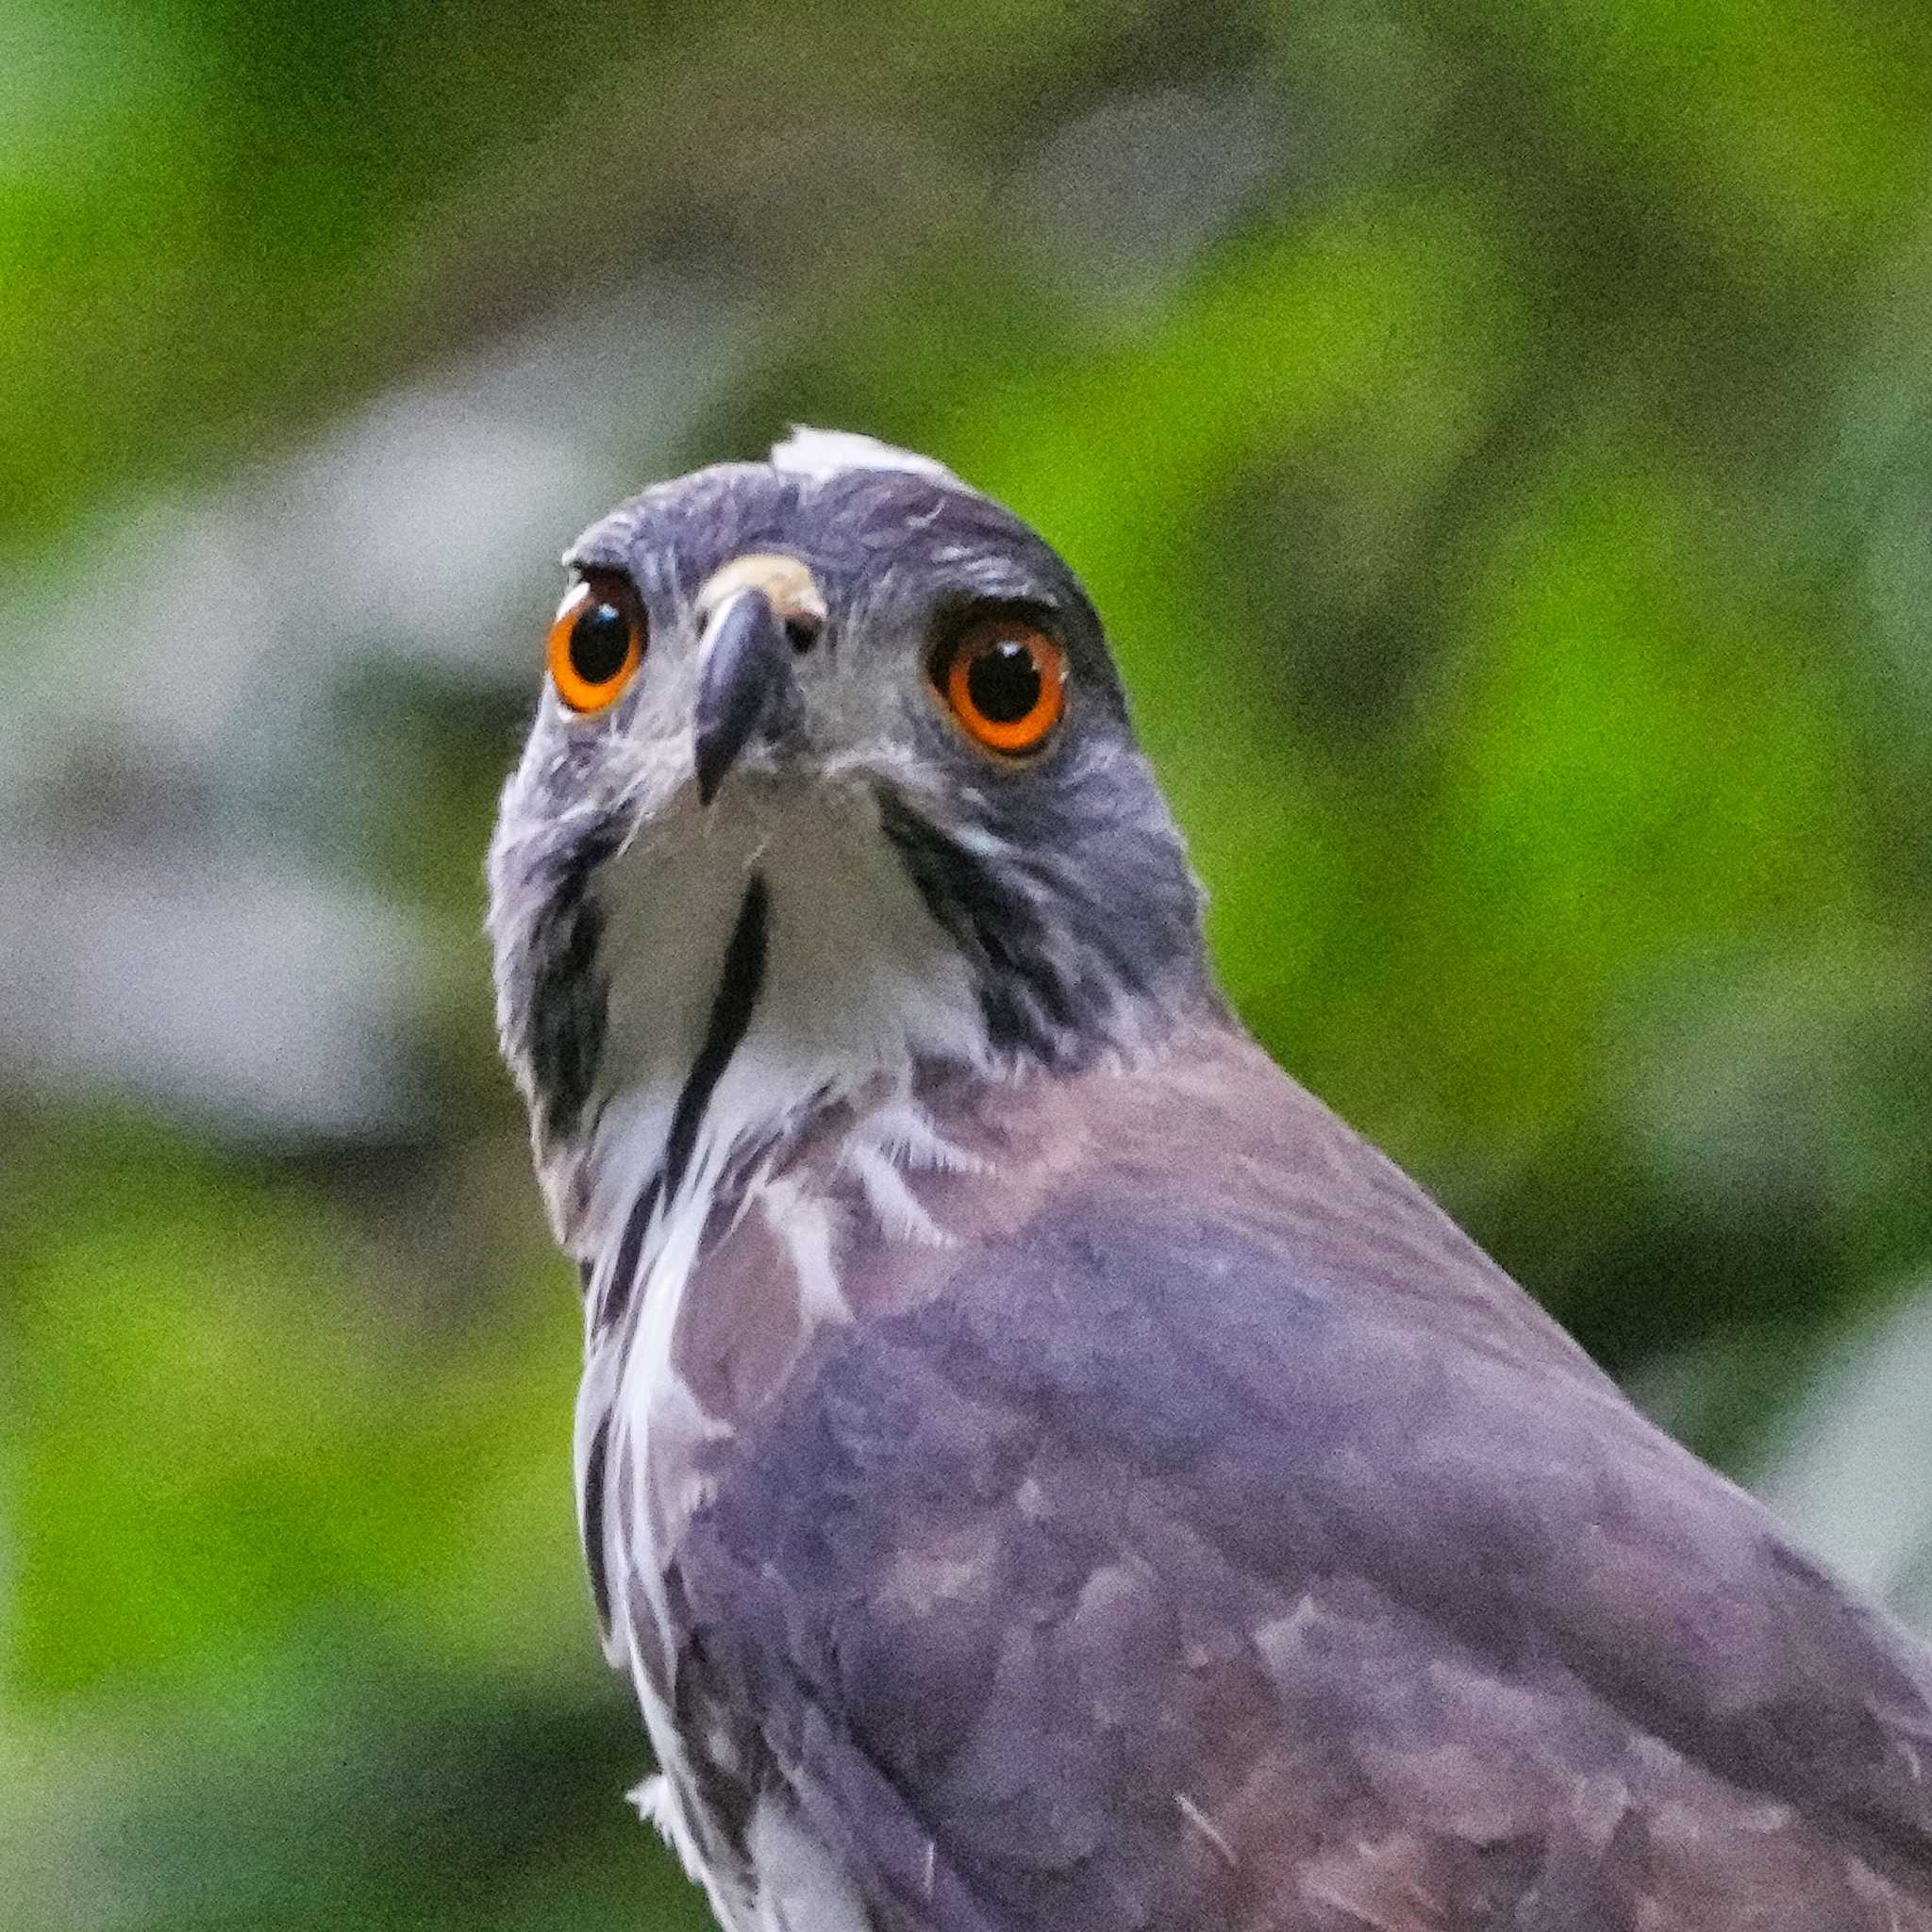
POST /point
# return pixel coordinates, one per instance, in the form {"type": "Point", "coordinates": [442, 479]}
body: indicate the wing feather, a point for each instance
{"type": "Point", "coordinates": [1158, 1573]}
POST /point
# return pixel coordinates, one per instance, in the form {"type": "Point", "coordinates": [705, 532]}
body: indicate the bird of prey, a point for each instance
{"type": "Point", "coordinates": [1038, 1468]}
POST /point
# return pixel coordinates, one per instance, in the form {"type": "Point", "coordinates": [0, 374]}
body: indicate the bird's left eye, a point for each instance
{"type": "Point", "coordinates": [596, 643]}
{"type": "Point", "coordinates": [1006, 682]}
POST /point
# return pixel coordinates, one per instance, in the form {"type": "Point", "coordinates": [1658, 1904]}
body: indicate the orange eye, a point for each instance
{"type": "Point", "coordinates": [596, 642]}
{"type": "Point", "coordinates": [1007, 683]}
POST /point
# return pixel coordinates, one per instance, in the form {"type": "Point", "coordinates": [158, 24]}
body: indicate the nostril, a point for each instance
{"type": "Point", "coordinates": [802, 632]}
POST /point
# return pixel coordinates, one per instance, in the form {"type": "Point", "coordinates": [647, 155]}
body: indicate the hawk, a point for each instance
{"type": "Point", "coordinates": [1038, 1468]}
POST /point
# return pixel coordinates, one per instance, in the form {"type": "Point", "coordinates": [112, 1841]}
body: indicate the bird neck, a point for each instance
{"type": "Point", "coordinates": [749, 969]}
{"type": "Point", "coordinates": [756, 975]}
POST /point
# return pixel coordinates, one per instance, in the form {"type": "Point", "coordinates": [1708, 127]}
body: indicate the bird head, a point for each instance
{"type": "Point", "coordinates": [831, 782]}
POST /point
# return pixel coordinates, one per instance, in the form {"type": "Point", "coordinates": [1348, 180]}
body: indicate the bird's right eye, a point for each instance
{"type": "Point", "coordinates": [596, 643]}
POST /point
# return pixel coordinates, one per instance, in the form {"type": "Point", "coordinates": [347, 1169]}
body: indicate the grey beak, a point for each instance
{"type": "Point", "coordinates": [747, 689]}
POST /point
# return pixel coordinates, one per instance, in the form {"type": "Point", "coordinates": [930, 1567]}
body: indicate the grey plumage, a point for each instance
{"type": "Point", "coordinates": [1039, 1467]}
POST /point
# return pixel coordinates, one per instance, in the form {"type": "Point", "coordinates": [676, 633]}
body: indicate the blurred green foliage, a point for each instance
{"type": "Point", "coordinates": [1498, 437]}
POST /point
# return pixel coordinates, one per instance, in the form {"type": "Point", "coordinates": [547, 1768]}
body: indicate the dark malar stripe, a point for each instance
{"type": "Point", "coordinates": [738, 983]}
{"type": "Point", "coordinates": [567, 996]}
{"type": "Point", "coordinates": [593, 1519]}
{"type": "Point", "coordinates": [738, 986]}
{"type": "Point", "coordinates": [1026, 998]}
{"type": "Point", "coordinates": [623, 1280]}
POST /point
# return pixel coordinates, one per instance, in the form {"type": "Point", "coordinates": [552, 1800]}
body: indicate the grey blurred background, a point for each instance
{"type": "Point", "coordinates": [1500, 438]}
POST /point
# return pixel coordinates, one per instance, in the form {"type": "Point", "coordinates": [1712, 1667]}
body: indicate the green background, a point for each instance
{"type": "Point", "coordinates": [1498, 438]}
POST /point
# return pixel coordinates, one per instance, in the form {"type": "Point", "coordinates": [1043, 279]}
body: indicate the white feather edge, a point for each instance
{"type": "Point", "coordinates": [808, 451]}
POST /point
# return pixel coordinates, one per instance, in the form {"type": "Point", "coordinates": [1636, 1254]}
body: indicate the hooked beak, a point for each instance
{"type": "Point", "coordinates": [754, 612]}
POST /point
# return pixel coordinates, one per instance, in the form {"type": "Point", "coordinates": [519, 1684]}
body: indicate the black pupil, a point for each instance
{"type": "Point", "coordinates": [599, 643]}
{"type": "Point", "coordinates": [1003, 681]}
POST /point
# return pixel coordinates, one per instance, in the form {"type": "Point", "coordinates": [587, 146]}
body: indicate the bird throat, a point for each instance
{"type": "Point", "coordinates": [759, 966]}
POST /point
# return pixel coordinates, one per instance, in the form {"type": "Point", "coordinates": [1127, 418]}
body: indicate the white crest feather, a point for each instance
{"type": "Point", "coordinates": [825, 452]}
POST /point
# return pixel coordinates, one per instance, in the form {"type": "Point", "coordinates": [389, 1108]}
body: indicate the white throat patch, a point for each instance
{"type": "Point", "coordinates": [857, 980]}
